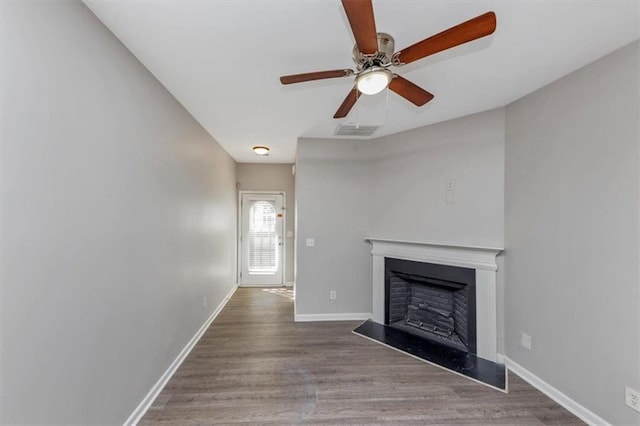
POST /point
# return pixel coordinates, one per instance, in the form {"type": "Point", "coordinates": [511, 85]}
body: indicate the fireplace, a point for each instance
{"type": "Point", "coordinates": [471, 265]}
{"type": "Point", "coordinates": [437, 302]}
{"type": "Point", "coordinates": [432, 301]}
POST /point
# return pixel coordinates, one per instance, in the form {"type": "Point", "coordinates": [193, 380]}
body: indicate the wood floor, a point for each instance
{"type": "Point", "coordinates": [254, 365]}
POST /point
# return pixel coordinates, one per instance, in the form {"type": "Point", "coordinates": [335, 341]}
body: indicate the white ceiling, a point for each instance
{"type": "Point", "coordinates": [222, 59]}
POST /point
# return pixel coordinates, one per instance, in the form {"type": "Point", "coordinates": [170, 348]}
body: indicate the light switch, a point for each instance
{"type": "Point", "coordinates": [311, 242]}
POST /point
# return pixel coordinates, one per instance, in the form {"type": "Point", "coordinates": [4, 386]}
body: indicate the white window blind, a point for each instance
{"type": "Point", "coordinates": [263, 240]}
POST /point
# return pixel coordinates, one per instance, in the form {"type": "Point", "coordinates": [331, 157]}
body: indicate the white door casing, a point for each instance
{"type": "Point", "coordinates": [261, 239]}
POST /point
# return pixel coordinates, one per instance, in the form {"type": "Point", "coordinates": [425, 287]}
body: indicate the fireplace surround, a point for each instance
{"type": "Point", "coordinates": [479, 262]}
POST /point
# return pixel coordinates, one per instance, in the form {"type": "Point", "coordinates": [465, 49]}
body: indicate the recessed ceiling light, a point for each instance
{"type": "Point", "coordinates": [261, 150]}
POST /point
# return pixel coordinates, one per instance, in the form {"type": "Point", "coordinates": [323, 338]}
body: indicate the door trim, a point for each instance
{"type": "Point", "coordinates": [284, 238]}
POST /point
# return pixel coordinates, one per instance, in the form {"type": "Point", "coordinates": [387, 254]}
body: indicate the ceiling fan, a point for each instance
{"type": "Point", "coordinates": [374, 54]}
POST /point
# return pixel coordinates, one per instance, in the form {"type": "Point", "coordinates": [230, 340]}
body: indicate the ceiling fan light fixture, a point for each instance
{"type": "Point", "coordinates": [261, 150]}
{"type": "Point", "coordinates": [373, 80]}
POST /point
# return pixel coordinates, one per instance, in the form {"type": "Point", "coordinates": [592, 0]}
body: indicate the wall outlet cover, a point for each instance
{"type": "Point", "coordinates": [332, 295]}
{"type": "Point", "coordinates": [525, 341]}
{"type": "Point", "coordinates": [311, 242]}
{"type": "Point", "coordinates": [632, 398]}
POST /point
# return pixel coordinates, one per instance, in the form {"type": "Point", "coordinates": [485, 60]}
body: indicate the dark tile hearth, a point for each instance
{"type": "Point", "coordinates": [447, 357]}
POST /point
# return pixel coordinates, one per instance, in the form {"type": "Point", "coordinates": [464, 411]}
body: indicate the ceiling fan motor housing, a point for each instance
{"type": "Point", "coordinates": [383, 56]}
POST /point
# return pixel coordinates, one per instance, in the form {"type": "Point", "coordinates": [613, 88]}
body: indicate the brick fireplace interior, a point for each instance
{"type": "Point", "coordinates": [433, 302]}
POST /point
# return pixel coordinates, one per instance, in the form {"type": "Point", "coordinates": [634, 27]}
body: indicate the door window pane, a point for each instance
{"type": "Point", "coordinates": [263, 240]}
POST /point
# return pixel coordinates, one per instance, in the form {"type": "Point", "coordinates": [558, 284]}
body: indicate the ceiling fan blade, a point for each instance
{"type": "Point", "coordinates": [347, 104]}
{"type": "Point", "coordinates": [472, 29]}
{"type": "Point", "coordinates": [414, 94]}
{"type": "Point", "coordinates": [363, 24]}
{"type": "Point", "coordinates": [319, 75]}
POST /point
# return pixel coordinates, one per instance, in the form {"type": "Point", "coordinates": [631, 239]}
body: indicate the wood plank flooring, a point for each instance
{"type": "Point", "coordinates": [254, 365]}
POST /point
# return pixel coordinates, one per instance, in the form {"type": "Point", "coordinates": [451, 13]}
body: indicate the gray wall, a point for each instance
{"type": "Point", "coordinates": [572, 234]}
{"type": "Point", "coordinates": [118, 217]}
{"type": "Point", "coordinates": [273, 177]}
{"type": "Point", "coordinates": [410, 174]}
{"type": "Point", "coordinates": [332, 193]}
{"type": "Point", "coordinates": [393, 187]}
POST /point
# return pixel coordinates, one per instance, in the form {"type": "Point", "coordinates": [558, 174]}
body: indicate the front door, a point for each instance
{"type": "Point", "coordinates": [262, 217]}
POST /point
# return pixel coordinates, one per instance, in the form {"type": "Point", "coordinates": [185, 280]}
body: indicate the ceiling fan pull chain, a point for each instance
{"type": "Point", "coordinates": [386, 108]}
{"type": "Point", "coordinates": [357, 108]}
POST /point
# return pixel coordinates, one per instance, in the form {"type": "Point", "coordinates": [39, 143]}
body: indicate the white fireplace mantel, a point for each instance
{"type": "Point", "coordinates": [481, 259]}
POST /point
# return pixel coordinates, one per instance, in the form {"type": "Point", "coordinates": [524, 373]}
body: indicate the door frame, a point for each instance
{"type": "Point", "coordinates": [284, 239]}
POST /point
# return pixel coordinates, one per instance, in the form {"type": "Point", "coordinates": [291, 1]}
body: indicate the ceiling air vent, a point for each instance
{"type": "Point", "coordinates": [355, 130]}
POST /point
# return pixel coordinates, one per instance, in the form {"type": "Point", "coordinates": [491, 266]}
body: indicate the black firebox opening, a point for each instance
{"type": "Point", "coordinates": [435, 302]}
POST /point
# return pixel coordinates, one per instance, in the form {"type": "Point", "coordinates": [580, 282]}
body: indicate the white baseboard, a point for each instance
{"type": "Point", "coordinates": [580, 411]}
{"type": "Point", "coordinates": [332, 317]}
{"type": "Point", "coordinates": [146, 402]}
{"type": "Point", "coordinates": [500, 358]}
{"type": "Point", "coordinates": [289, 284]}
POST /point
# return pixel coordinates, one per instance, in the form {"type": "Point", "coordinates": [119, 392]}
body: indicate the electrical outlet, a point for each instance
{"type": "Point", "coordinates": [205, 302]}
{"type": "Point", "coordinates": [311, 242]}
{"type": "Point", "coordinates": [525, 341]}
{"type": "Point", "coordinates": [632, 398]}
{"type": "Point", "coordinates": [332, 295]}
